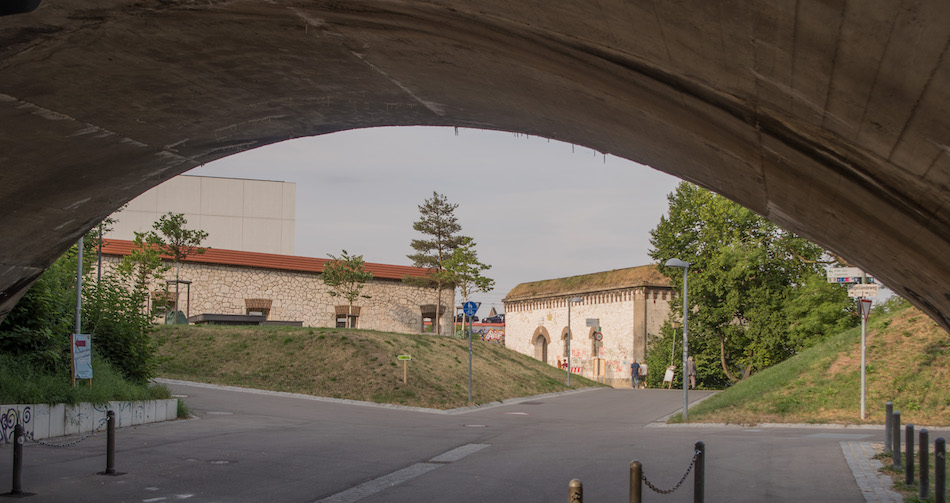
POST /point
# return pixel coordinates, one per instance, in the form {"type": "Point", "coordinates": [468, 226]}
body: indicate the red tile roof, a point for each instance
{"type": "Point", "coordinates": [271, 261]}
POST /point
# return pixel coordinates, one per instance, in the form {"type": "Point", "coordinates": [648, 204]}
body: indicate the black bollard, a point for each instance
{"type": "Point", "coordinates": [940, 470]}
{"type": "Point", "coordinates": [636, 482]}
{"type": "Point", "coordinates": [699, 476]}
{"type": "Point", "coordinates": [888, 419]}
{"type": "Point", "coordinates": [924, 463]}
{"type": "Point", "coordinates": [18, 440]}
{"type": "Point", "coordinates": [110, 445]}
{"type": "Point", "coordinates": [896, 429]}
{"type": "Point", "coordinates": [909, 454]}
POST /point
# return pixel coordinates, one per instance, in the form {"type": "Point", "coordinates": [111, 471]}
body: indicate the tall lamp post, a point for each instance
{"type": "Point", "coordinates": [575, 299]}
{"type": "Point", "coordinates": [675, 262]}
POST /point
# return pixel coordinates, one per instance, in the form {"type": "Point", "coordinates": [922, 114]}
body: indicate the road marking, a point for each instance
{"type": "Point", "coordinates": [397, 477]}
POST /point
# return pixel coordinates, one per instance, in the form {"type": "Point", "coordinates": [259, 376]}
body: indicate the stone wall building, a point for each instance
{"type": "Point", "coordinates": [289, 288]}
{"type": "Point", "coordinates": [629, 304]}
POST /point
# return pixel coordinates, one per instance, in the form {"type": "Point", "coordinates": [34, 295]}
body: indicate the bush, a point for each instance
{"type": "Point", "coordinates": [119, 327]}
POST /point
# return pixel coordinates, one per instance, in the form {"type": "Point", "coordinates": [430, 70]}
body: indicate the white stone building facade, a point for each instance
{"type": "Point", "coordinates": [289, 288]}
{"type": "Point", "coordinates": [630, 306]}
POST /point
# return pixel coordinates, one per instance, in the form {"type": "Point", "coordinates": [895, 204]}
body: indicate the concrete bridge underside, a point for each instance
{"type": "Point", "coordinates": [828, 117]}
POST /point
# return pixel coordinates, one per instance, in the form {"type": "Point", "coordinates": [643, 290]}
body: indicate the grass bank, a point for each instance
{"type": "Point", "coordinates": [21, 382]}
{"type": "Point", "coordinates": [908, 363]}
{"type": "Point", "coordinates": [354, 364]}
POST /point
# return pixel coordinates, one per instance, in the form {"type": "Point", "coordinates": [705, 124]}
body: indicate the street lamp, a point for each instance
{"type": "Point", "coordinates": [575, 299]}
{"type": "Point", "coordinates": [675, 262]}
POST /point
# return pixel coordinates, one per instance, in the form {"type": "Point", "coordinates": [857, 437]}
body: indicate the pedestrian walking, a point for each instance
{"type": "Point", "coordinates": [644, 371]}
{"type": "Point", "coordinates": [635, 374]}
{"type": "Point", "coordinates": [691, 372]}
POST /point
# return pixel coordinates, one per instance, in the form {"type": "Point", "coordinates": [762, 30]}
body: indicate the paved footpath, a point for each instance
{"type": "Point", "coordinates": [249, 446]}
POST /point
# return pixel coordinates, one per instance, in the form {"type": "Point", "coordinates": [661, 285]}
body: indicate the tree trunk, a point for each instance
{"type": "Point", "coordinates": [438, 303]}
{"type": "Point", "coordinates": [722, 356]}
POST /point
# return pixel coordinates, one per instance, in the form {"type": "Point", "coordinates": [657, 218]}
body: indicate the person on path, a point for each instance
{"type": "Point", "coordinates": [635, 373]}
{"type": "Point", "coordinates": [644, 371]}
{"type": "Point", "coordinates": [691, 372]}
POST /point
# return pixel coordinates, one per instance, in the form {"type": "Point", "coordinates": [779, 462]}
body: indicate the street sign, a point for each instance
{"type": "Point", "coordinates": [856, 291]}
{"type": "Point", "coordinates": [598, 336]}
{"type": "Point", "coordinates": [593, 322]}
{"type": "Point", "coordinates": [846, 275]}
{"type": "Point", "coordinates": [469, 308]}
{"type": "Point", "coordinates": [865, 308]}
{"type": "Point", "coordinates": [404, 357]}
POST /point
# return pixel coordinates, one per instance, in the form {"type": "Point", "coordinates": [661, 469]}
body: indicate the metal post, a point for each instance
{"type": "Point", "coordinates": [896, 434]}
{"type": "Point", "coordinates": [863, 350]}
{"type": "Point", "coordinates": [18, 440]}
{"type": "Point", "coordinates": [78, 329]}
{"type": "Point", "coordinates": [940, 470]}
{"type": "Point", "coordinates": [636, 482]}
{"type": "Point", "coordinates": [924, 463]}
{"type": "Point", "coordinates": [569, 302]}
{"type": "Point", "coordinates": [110, 443]}
{"type": "Point", "coordinates": [888, 418]}
{"type": "Point", "coordinates": [469, 359]}
{"type": "Point", "coordinates": [909, 454]}
{"type": "Point", "coordinates": [685, 346]}
{"type": "Point", "coordinates": [575, 491]}
{"type": "Point", "coordinates": [699, 474]}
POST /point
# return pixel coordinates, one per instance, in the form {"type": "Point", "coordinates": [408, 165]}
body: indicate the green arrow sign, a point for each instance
{"type": "Point", "coordinates": [404, 357]}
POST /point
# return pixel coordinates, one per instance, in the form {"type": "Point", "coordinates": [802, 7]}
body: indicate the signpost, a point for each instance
{"type": "Point", "coordinates": [847, 275]}
{"type": "Point", "coordinates": [81, 345]}
{"type": "Point", "coordinates": [593, 322]}
{"type": "Point", "coordinates": [405, 366]}
{"type": "Point", "coordinates": [865, 305]}
{"type": "Point", "coordinates": [469, 309]}
{"type": "Point", "coordinates": [858, 291]}
{"type": "Point", "coordinates": [862, 288]}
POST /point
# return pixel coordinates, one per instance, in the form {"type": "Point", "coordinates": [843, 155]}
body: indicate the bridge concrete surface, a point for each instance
{"type": "Point", "coordinates": [259, 446]}
{"type": "Point", "coordinates": [830, 118]}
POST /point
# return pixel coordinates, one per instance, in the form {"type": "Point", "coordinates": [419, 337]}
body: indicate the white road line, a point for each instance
{"type": "Point", "coordinates": [380, 484]}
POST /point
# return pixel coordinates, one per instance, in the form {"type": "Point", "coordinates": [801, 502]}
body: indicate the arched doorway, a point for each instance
{"type": "Point", "coordinates": [541, 340]}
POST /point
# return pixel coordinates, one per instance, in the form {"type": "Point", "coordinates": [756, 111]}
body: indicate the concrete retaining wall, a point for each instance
{"type": "Point", "coordinates": [44, 421]}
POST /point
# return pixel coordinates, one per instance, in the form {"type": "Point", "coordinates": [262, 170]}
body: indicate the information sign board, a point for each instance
{"type": "Point", "coordinates": [593, 322]}
{"type": "Point", "coordinates": [404, 357]}
{"type": "Point", "coordinates": [82, 356]}
{"type": "Point", "coordinates": [856, 291]}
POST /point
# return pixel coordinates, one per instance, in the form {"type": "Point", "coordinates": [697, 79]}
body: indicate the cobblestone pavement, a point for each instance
{"type": "Point", "coordinates": [874, 485]}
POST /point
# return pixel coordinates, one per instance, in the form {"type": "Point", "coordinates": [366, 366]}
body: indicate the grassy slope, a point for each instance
{"type": "Point", "coordinates": [354, 364]}
{"type": "Point", "coordinates": [908, 358]}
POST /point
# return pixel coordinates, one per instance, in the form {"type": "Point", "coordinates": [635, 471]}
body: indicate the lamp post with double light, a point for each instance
{"type": "Point", "coordinates": [573, 300]}
{"type": "Point", "coordinates": [675, 262]}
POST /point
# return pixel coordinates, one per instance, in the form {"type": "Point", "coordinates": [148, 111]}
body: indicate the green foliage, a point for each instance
{"type": "Point", "coordinates": [143, 264]}
{"type": "Point", "coordinates": [120, 329]}
{"type": "Point", "coordinates": [345, 277]}
{"type": "Point", "coordinates": [463, 269]}
{"type": "Point", "coordinates": [756, 292]}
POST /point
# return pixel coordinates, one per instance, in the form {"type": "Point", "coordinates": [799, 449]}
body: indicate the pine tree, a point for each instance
{"type": "Point", "coordinates": [440, 227]}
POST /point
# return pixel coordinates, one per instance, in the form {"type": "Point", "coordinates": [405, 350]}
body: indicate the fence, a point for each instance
{"type": "Point", "coordinates": [638, 478]}
{"type": "Point", "coordinates": [892, 443]}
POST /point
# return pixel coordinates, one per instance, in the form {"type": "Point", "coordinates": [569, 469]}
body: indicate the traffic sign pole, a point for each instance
{"type": "Point", "coordinates": [865, 306]}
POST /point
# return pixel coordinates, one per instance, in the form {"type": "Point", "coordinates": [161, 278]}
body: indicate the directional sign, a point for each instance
{"type": "Point", "coordinates": [404, 357]}
{"type": "Point", "coordinates": [469, 308]}
{"type": "Point", "coordinates": [846, 275]}
{"type": "Point", "coordinates": [863, 290]}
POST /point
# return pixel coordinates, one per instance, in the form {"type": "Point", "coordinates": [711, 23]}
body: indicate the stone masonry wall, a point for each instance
{"type": "Point", "coordinates": [301, 296]}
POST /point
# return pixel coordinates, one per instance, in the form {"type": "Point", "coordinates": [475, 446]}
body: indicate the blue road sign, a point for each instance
{"type": "Point", "coordinates": [469, 308]}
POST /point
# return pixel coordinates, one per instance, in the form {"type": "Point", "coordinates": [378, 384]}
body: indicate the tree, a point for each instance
{"type": "Point", "coordinates": [143, 264]}
{"type": "Point", "coordinates": [440, 226]}
{"type": "Point", "coordinates": [463, 269]}
{"type": "Point", "coordinates": [177, 242]}
{"type": "Point", "coordinates": [345, 277]}
{"type": "Point", "coordinates": [755, 290]}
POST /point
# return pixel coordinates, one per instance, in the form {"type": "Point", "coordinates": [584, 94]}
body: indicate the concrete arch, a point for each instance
{"type": "Point", "coordinates": [807, 116]}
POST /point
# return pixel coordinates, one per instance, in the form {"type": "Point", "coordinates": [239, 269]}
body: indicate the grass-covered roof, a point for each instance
{"type": "Point", "coordinates": [644, 275]}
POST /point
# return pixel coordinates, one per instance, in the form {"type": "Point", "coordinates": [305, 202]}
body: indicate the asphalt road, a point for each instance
{"type": "Point", "coordinates": [248, 447]}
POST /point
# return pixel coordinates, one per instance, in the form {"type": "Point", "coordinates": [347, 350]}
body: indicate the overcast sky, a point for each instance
{"type": "Point", "coordinates": [537, 209]}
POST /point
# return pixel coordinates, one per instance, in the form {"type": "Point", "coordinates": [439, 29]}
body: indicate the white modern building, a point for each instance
{"type": "Point", "coordinates": [237, 214]}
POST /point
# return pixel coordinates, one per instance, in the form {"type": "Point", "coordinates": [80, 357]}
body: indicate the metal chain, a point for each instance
{"type": "Point", "coordinates": [29, 436]}
{"type": "Point", "coordinates": [649, 484]}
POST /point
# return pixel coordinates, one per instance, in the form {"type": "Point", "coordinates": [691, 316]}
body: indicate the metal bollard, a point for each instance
{"type": "Point", "coordinates": [896, 425]}
{"type": "Point", "coordinates": [575, 492]}
{"type": "Point", "coordinates": [636, 482]}
{"type": "Point", "coordinates": [18, 440]}
{"type": "Point", "coordinates": [924, 463]}
{"type": "Point", "coordinates": [699, 475]}
{"type": "Point", "coordinates": [940, 471]}
{"type": "Point", "coordinates": [110, 443]}
{"type": "Point", "coordinates": [888, 419]}
{"type": "Point", "coordinates": [909, 454]}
